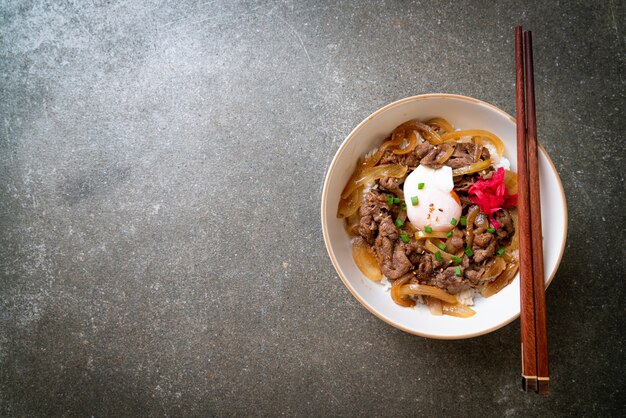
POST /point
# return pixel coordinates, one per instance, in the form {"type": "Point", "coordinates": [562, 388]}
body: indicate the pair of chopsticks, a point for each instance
{"type": "Point", "coordinates": [535, 375]}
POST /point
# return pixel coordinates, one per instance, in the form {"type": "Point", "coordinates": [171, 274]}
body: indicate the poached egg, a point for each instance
{"type": "Point", "coordinates": [436, 204]}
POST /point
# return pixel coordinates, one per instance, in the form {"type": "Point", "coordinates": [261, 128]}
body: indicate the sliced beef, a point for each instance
{"type": "Point", "coordinates": [395, 257]}
{"type": "Point", "coordinates": [463, 155]}
{"type": "Point", "coordinates": [374, 204]}
{"type": "Point", "coordinates": [483, 240]}
{"type": "Point", "coordinates": [372, 211]}
{"type": "Point", "coordinates": [484, 246]}
{"type": "Point", "coordinates": [448, 280]}
{"type": "Point", "coordinates": [481, 254]}
{"type": "Point", "coordinates": [414, 250]}
{"type": "Point", "coordinates": [412, 159]}
{"type": "Point", "coordinates": [368, 228]}
{"type": "Point", "coordinates": [392, 257]}
{"type": "Point", "coordinates": [459, 162]}
{"type": "Point", "coordinates": [467, 153]}
{"type": "Point", "coordinates": [388, 229]}
{"type": "Point", "coordinates": [507, 227]}
{"type": "Point", "coordinates": [409, 160]}
{"type": "Point", "coordinates": [434, 154]}
{"type": "Point", "coordinates": [455, 242]}
{"type": "Point", "coordinates": [473, 274]}
{"type": "Point", "coordinates": [463, 185]}
{"type": "Point", "coordinates": [390, 184]}
{"type": "Point", "coordinates": [464, 150]}
{"type": "Point", "coordinates": [423, 149]}
{"type": "Point", "coordinates": [425, 267]}
{"type": "Point", "coordinates": [390, 158]}
{"type": "Point", "coordinates": [429, 159]}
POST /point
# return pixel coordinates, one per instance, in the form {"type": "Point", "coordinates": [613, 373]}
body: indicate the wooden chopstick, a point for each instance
{"type": "Point", "coordinates": [541, 336]}
{"type": "Point", "coordinates": [527, 300]}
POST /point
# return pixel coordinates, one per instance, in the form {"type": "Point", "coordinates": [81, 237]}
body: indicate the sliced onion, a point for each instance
{"type": "Point", "coordinates": [410, 228]}
{"type": "Point", "coordinates": [510, 182]}
{"type": "Point", "coordinates": [502, 281]}
{"type": "Point", "coordinates": [478, 150]}
{"type": "Point", "coordinates": [446, 155]}
{"type": "Point", "coordinates": [415, 125]}
{"type": "Point", "coordinates": [434, 305]}
{"type": "Point", "coordinates": [410, 147]}
{"type": "Point", "coordinates": [473, 168]}
{"type": "Point", "coordinates": [491, 137]}
{"type": "Point", "coordinates": [494, 269]}
{"type": "Point", "coordinates": [375, 158]}
{"type": "Point", "coordinates": [435, 234]}
{"type": "Point", "coordinates": [469, 229]}
{"type": "Point", "coordinates": [458, 310]}
{"type": "Point", "coordinates": [369, 162]}
{"type": "Point", "coordinates": [395, 289]}
{"type": "Point", "coordinates": [350, 205]}
{"type": "Point", "coordinates": [433, 249]}
{"type": "Point", "coordinates": [371, 174]}
{"type": "Point", "coordinates": [365, 260]}
{"type": "Point", "coordinates": [441, 123]}
{"type": "Point", "coordinates": [425, 290]}
{"type": "Point", "coordinates": [352, 224]}
{"type": "Point", "coordinates": [482, 223]}
{"type": "Point", "coordinates": [372, 160]}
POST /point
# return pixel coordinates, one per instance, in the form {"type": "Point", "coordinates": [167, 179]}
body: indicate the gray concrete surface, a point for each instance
{"type": "Point", "coordinates": [161, 167]}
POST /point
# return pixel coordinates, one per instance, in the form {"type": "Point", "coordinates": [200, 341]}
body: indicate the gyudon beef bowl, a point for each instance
{"type": "Point", "coordinates": [420, 220]}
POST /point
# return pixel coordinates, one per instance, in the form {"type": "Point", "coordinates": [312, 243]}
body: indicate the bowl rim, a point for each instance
{"type": "Point", "coordinates": [325, 226]}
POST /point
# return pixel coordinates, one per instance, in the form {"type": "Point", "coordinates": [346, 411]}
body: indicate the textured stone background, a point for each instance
{"type": "Point", "coordinates": [161, 165]}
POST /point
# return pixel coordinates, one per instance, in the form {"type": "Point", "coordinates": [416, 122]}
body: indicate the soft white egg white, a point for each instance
{"type": "Point", "coordinates": [437, 204]}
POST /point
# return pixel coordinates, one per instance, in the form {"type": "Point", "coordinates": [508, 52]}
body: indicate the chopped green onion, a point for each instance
{"type": "Point", "coordinates": [492, 230]}
{"type": "Point", "coordinates": [449, 234]}
{"type": "Point", "coordinates": [457, 259]}
{"type": "Point", "coordinates": [500, 252]}
{"type": "Point", "coordinates": [403, 205]}
{"type": "Point", "coordinates": [463, 220]}
{"type": "Point", "coordinates": [396, 200]}
{"type": "Point", "coordinates": [457, 271]}
{"type": "Point", "coordinates": [453, 221]}
{"type": "Point", "coordinates": [390, 200]}
{"type": "Point", "coordinates": [469, 251]}
{"type": "Point", "coordinates": [420, 186]}
{"type": "Point", "coordinates": [399, 223]}
{"type": "Point", "coordinates": [438, 255]}
{"type": "Point", "coordinates": [442, 247]}
{"type": "Point", "coordinates": [415, 200]}
{"type": "Point", "coordinates": [428, 229]}
{"type": "Point", "coordinates": [404, 237]}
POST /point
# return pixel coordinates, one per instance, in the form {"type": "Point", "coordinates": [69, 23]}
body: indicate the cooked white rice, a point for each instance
{"type": "Point", "coordinates": [497, 161]}
{"type": "Point", "coordinates": [466, 297]}
{"type": "Point", "coordinates": [386, 284]}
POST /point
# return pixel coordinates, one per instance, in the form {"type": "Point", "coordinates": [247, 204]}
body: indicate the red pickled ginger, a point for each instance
{"type": "Point", "coordinates": [491, 195]}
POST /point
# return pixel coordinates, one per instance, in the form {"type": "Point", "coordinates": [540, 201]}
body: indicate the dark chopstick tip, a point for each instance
{"type": "Point", "coordinates": [543, 386]}
{"type": "Point", "coordinates": [529, 384]}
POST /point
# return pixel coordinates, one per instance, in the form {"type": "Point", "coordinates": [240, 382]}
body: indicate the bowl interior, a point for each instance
{"type": "Point", "coordinates": [463, 113]}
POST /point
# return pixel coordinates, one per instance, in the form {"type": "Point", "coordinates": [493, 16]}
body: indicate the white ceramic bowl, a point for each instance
{"type": "Point", "coordinates": [464, 113]}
